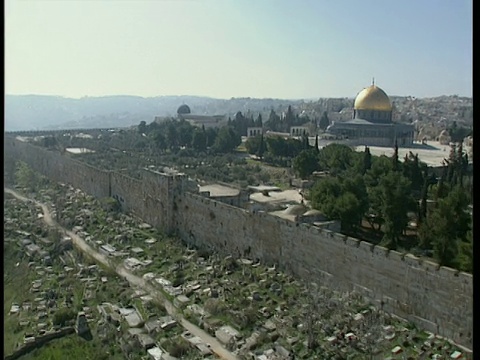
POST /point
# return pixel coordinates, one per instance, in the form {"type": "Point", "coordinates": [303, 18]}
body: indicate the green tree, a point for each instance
{"type": "Point", "coordinates": [441, 188]}
{"type": "Point", "coordinates": [393, 197]}
{"type": "Point", "coordinates": [460, 165]}
{"type": "Point", "coordinates": [341, 199]}
{"type": "Point", "coordinates": [262, 147]}
{"type": "Point", "coordinates": [211, 136]}
{"type": "Point", "coordinates": [184, 133]}
{"type": "Point", "coordinates": [422, 209]}
{"type": "Point", "coordinates": [50, 142]}
{"type": "Point", "coordinates": [367, 160]}
{"type": "Point", "coordinates": [465, 256]}
{"type": "Point", "coordinates": [273, 122]}
{"type": "Point", "coordinates": [63, 315]}
{"type": "Point", "coordinates": [280, 147]}
{"type": "Point", "coordinates": [355, 184]}
{"type": "Point", "coordinates": [152, 127]}
{"type": "Point", "coordinates": [395, 161]}
{"type": "Point", "coordinates": [142, 127]}
{"type": "Point", "coordinates": [25, 177]}
{"type": "Point", "coordinates": [305, 143]}
{"type": "Point", "coordinates": [446, 225]}
{"type": "Point", "coordinates": [323, 196]}
{"type": "Point", "coordinates": [413, 170]}
{"type": "Point", "coordinates": [381, 165]}
{"type": "Point", "coordinates": [324, 121]}
{"type": "Point", "coordinates": [227, 140]}
{"type": "Point", "coordinates": [362, 161]}
{"type": "Point", "coordinates": [306, 163]}
{"type": "Point", "coordinates": [241, 123]}
{"type": "Point", "coordinates": [347, 207]}
{"type": "Point", "coordinates": [199, 140]}
{"type": "Point", "coordinates": [252, 144]}
{"type": "Point", "coordinates": [159, 140]}
{"type": "Point", "coordinates": [259, 122]}
{"type": "Point", "coordinates": [336, 158]}
{"type": "Point", "coordinates": [171, 135]}
{"type": "Point", "coordinates": [289, 119]}
{"type": "Point", "coordinates": [276, 145]}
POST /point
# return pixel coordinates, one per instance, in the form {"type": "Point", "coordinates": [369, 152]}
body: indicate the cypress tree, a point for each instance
{"type": "Point", "coordinates": [367, 160]}
{"type": "Point", "coordinates": [395, 156]}
{"type": "Point", "coordinates": [422, 213]}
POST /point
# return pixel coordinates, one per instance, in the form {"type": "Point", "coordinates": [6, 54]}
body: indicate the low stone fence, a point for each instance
{"type": "Point", "coordinates": [39, 342]}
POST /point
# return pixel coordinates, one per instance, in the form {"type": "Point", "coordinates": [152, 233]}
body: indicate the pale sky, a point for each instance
{"type": "Point", "coordinates": [285, 49]}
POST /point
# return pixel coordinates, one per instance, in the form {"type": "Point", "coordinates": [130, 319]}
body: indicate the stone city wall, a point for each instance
{"type": "Point", "coordinates": [158, 196]}
{"type": "Point", "coordinates": [435, 298]}
{"type": "Point", "coordinates": [59, 168]}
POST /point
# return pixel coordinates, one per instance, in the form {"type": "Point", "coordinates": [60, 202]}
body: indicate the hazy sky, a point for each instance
{"type": "Point", "coordinates": [238, 48]}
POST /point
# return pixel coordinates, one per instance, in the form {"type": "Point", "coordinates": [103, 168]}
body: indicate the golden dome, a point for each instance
{"type": "Point", "coordinates": [372, 98]}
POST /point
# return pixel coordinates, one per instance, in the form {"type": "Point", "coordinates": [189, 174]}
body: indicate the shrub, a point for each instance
{"type": "Point", "coordinates": [215, 306]}
{"type": "Point", "coordinates": [62, 316]}
{"type": "Point", "coordinates": [178, 348]}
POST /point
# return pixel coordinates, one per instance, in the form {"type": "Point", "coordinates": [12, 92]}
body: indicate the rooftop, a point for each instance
{"type": "Point", "coordinates": [217, 190]}
{"type": "Point", "coordinates": [277, 196]}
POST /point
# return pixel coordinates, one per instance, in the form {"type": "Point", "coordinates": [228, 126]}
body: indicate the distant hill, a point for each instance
{"type": "Point", "coordinates": [39, 112]}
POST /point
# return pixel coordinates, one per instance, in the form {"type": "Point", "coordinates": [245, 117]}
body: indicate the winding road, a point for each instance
{"type": "Point", "coordinates": [216, 347]}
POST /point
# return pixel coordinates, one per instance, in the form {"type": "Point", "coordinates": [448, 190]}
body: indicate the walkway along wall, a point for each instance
{"type": "Point", "coordinates": [438, 299]}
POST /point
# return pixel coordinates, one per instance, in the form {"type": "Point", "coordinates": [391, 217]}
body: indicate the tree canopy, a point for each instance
{"type": "Point", "coordinates": [447, 225]}
{"type": "Point", "coordinates": [227, 140]}
{"type": "Point", "coordinates": [343, 199]}
{"type": "Point", "coordinates": [306, 163]}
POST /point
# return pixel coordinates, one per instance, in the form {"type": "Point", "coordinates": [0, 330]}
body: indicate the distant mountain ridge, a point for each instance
{"type": "Point", "coordinates": [44, 112]}
{"type": "Point", "coordinates": [41, 112]}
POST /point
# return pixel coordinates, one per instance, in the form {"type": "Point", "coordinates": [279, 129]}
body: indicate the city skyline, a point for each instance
{"type": "Point", "coordinates": [223, 49]}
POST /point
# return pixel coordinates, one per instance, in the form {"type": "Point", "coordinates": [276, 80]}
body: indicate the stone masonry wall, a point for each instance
{"type": "Point", "coordinates": [151, 198]}
{"type": "Point", "coordinates": [435, 298]}
{"type": "Point", "coordinates": [60, 168]}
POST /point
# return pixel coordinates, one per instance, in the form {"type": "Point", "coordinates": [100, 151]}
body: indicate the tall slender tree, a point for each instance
{"type": "Point", "coordinates": [367, 160]}
{"type": "Point", "coordinates": [395, 156]}
{"type": "Point", "coordinates": [324, 121]}
{"type": "Point", "coordinates": [261, 147]}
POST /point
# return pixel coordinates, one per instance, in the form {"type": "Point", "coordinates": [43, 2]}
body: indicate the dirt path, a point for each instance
{"type": "Point", "coordinates": [134, 280]}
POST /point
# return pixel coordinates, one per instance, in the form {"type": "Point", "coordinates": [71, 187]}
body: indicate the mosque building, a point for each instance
{"type": "Point", "coordinates": [372, 123]}
{"type": "Point", "coordinates": [214, 121]}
